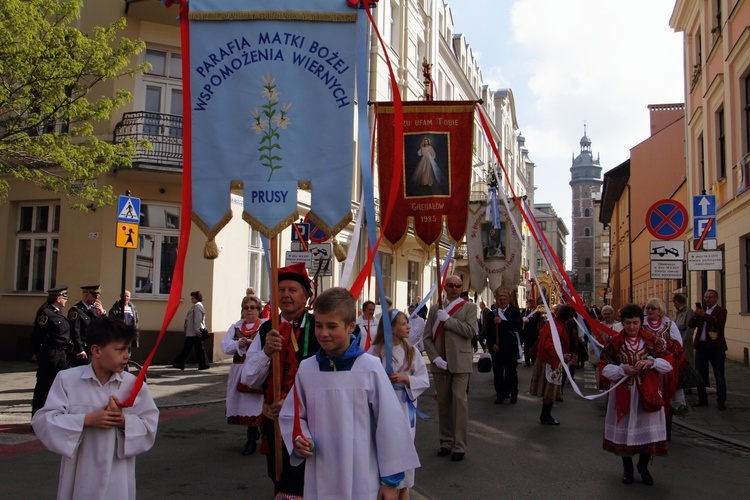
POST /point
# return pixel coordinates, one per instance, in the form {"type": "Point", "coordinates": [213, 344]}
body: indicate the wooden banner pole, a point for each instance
{"type": "Point", "coordinates": [276, 359]}
{"type": "Point", "coordinates": [439, 277]}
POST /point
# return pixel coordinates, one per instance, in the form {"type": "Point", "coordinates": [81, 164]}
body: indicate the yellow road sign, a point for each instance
{"type": "Point", "coordinates": [126, 235]}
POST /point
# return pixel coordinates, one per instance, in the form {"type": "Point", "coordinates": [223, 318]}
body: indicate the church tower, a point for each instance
{"type": "Point", "coordinates": [586, 183]}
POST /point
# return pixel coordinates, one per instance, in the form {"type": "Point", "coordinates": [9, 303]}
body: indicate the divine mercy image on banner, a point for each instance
{"type": "Point", "coordinates": [427, 164]}
{"type": "Point", "coordinates": [434, 172]}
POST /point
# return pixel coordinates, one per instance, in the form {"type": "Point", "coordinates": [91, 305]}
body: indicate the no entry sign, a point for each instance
{"type": "Point", "coordinates": [666, 219]}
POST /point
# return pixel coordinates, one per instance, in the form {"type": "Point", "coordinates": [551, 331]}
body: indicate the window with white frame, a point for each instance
{"type": "Point", "coordinates": [605, 249]}
{"type": "Point", "coordinates": [257, 272]}
{"type": "Point", "coordinates": [605, 276]}
{"type": "Point", "coordinates": [413, 289]}
{"type": "Point", "coordinates": [386, 262]}
{"type": "Point", "coordinates": [156, 256]}
{"type": "Point", "coordinates": [37, 241]}
{"type": "Point", "coordinates": [395, 26]}
{"type": "Point", "coordinates": [162, 91]}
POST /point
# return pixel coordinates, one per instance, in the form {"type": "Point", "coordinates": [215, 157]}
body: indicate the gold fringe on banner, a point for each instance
{"type": "Point", "coordinates": [274, 231]}
{"type": "Point", "coordinates": [210, 250]}
{"type": "Point", "coordinates": [274, 15]}
{"type": "Point", "coordinates": [330, 230]}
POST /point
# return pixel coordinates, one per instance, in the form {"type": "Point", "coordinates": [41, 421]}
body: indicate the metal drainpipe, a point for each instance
{"type": "Point", "coordinates": [630, 244]}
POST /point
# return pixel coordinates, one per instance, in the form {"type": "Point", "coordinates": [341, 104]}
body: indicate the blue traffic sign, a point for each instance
{"type": "Point", "coordinates": [666, 219]}
{"type": "Point", "coordinates": [704, 206]}
{"type": "Point", "coordinates": [302, 233]}
{"type": "Point", "coordinates": [699, 227]}
{"type": "Point", "coordinates": [129, 209]}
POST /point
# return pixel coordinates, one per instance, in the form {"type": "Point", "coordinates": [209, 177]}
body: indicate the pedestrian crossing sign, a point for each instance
{"type": "Point", "coordinates": [126, 235]}
{"type": "Point", "coordinates": [129, 209]}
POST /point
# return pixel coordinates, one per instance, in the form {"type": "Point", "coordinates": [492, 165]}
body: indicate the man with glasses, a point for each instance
{"type": "Point", "coordinates": [51, 340]}
{"type": "Point", "coordinates": [710, 346]}
{"type": "Point", "coordinates": [447, 340]}
{"type": "Point", "coordinates": [80, 316]}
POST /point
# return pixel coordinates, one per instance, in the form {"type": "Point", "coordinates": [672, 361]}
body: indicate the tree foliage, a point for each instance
{"type": "Point", "coordinates": [47, 71]}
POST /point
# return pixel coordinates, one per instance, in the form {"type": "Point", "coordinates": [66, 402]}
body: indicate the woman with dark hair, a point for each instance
{"type": "Point", "coordinates": [244, 404]}
{"type": "Point", "coordinates": [635, 421]}
{"type": "Point", "coordinates": [546, 381]}
{"type": "Point", "coordinates": [195, 321]}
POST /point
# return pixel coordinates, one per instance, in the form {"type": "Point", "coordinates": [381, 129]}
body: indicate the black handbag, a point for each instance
{"type": "Point", "coordinates": [204, 334]}
{"type": "Point", "coordinates": [484, 365]}
{"type": "Point", "coordinates": [689, 377]}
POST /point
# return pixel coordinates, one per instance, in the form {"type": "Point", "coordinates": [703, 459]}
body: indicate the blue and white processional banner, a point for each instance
{"type": "Point", "coordinates": [272, 109]}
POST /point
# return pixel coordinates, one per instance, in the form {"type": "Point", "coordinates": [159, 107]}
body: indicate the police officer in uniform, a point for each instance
{"type": "Point", "coordinates": [51, 341]}
{"type": "Point", "coordinates": [81, 315]}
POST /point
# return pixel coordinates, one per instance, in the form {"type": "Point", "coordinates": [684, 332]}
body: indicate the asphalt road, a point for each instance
{"type": "Point", "coordinates": [510, 455]}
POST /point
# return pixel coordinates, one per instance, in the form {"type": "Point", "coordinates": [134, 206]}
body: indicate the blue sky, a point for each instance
{"type": "Point", "coordinates": [568, 62]}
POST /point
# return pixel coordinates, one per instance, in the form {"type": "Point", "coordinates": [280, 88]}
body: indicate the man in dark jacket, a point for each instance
{"type": "Point", "coordinates": [501, 336]}
{"type": "Point", "coordinates": [81, 315]}
{"type": "Point", "coordinates": [710, 346]}
{"type": "Point", "coordinates": [51, 341]}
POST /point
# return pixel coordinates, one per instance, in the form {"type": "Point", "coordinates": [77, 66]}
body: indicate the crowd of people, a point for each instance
{"type": "Point", "coordinates": [329, 373]}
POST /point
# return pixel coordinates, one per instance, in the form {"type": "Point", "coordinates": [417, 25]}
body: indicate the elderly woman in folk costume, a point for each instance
{"type": "Point", "coordinates": [244, 404]}
{"type": "Point", "coordinates": [657, 322]}
{"type": "Point", "coordinates": [635, 421]}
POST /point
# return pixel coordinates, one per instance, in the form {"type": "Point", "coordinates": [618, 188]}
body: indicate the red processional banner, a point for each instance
{"type": "Point", "coordinates": [435, 170]}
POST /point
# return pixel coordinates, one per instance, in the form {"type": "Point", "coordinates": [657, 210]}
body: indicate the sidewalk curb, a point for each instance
{"type": "Point", "coordinates": [712, 435]}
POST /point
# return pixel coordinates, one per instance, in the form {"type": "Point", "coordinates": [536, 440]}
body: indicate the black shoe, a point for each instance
{"type": "Point", "coordinates": [627, 470]}
{"type": "Point", "coordinates": [645, 476]}
{"type": "Point", "coordinates": [700, 403]}
{"type": "Point", "coordinates": [513, 398]}
{"type": "Point", "coordinates": [204, 368]}
{"type": "Point", "coordinates": [498, 401]}
{"type": "Point", "coordinates": [443, 452]}
{"type": "Point", "coordinates": [721, 406]}
{"type": "Point", "coordinates": [457, 457]}
{"type": "Point", "coordinates": [548, 421]}
{"type": "Point", "coordinates": [250, 447]}
{"type": "Point", "coordinates": [179, 367]}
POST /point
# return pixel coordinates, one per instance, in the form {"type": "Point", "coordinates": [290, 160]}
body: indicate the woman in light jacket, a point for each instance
{"type": "Point", "coordinates": [194, 322]}
{"type": "Point", "coordinates": [244, 404]}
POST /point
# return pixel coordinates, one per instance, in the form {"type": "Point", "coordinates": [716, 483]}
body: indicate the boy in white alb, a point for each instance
{"type": "Point", "coordinates": [83, 422]}
{"type": "Point", "coordinates": [345, 421]}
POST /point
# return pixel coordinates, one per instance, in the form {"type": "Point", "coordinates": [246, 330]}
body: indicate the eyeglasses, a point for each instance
{"type": "Point", "coordinates": [94, 294]}
{"type": "Point", "coordinates": [453, 285]}
{"type": "Point", "coordinates": [649, 308]}
{"type": "Point", "coordinates": [249, 308]}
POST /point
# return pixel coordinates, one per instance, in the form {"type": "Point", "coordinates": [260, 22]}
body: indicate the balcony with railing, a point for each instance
{"type": "Point", "coordinates": [163, 131]}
